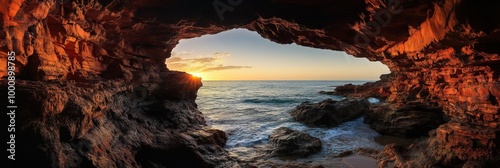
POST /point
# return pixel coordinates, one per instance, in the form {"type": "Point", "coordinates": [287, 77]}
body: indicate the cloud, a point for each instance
{"type": "Point", "coordinates": [221, 67]}
{"type": "Point", "coordinates": [200, 64]}
{"type": "Point", "coordinates": [192, 60]}
{"type": "Point", "coordinates": [174, 59]}
{"type": "Point", "coordinates": [203, 60]}
{"type": "Point", "coordinates": [177, 65]}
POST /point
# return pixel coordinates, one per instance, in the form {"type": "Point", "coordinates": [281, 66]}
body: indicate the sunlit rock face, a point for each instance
{"type": "Point", "coordinates": [92, 75]}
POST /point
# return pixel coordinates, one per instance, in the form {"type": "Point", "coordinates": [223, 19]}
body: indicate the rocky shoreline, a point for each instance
{"type": "Point", "coordinates": [411, 120]}
{"type": "Point", "coordinates": [292, 148]}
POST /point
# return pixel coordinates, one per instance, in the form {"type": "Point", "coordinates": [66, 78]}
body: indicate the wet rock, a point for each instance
{"type": "Point", "coordinates": [345, 89]}
{"type": "Point", "coordinates": [367, 152]}
{"type": "Point", "coordinates": [344, 154]}
{"type": "Point", "coordinates": [410, 121]}
{"type": "Point", "coordinates": [288, 142]}
{"type": "Point", "coordinates": [393, 155]}
{"type": "Point", "coordinates": [281, 164]}
{"type": "Point", "coordinates": [327, 92]}
{"type": "Point", "coordinates": [359, 151]}
{"type": "Point", "coordinates": [329, 112]}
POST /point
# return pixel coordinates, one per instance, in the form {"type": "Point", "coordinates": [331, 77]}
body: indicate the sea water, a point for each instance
{"type": "Point", "coordinates": [249, 111]}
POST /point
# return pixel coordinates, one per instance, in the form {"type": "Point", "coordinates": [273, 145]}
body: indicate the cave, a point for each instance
{"type": "Point", "coordinates": [79, 66]}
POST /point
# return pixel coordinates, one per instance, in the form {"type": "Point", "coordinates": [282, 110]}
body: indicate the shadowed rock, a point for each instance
{"type": "Point", "coordinates": [378, 89]}
{"type": "Point", "coordinates": [288, 142]}
{"type": "Point", "coordinates": [431, 153]}
{"type": "Point", "coordinates": [329, 112]}
{"type": "Point", "coordinates": [327, 92]}
{"type": "Point", "coordinates": [126, 124]}
{"type": "Point", "coordinates": [411, 121]}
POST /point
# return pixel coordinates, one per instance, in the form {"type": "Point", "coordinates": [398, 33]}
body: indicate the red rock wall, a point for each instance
{"type": "Point", "coordinates": [80, 61]}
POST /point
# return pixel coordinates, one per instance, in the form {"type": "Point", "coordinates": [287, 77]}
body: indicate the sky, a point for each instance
{"type": "Point", "coordinates": [240, 54]}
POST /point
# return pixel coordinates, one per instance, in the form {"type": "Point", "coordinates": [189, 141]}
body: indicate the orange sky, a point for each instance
{"type": "Point", "coordinates": [243, 55]}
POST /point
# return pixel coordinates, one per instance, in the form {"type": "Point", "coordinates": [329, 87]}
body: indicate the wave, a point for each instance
{"type": "Point", "coordinates": [271, 101]}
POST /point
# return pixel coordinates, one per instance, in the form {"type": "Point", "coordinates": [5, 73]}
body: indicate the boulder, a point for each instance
{"type": "Point", "coordinates": [411, 120]}
{"type": "Point", "coordinates": [345, 89]}
{"type": "Point", "coordinates": [329, 112]}
{"type": "Point", "coordinates": [288, 142]}
{"type": "Point", "coordinates": [327, 92]}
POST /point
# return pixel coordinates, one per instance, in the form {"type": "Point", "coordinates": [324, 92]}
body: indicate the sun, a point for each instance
{"type": "Point", "coordinates": [196, 74]}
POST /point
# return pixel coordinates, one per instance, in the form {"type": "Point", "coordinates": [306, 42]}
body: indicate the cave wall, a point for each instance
{"type": "Point", "coordinates": [90, 66]}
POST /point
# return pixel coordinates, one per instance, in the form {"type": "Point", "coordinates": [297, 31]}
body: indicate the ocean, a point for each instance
{"type": "Point", "coordinates": [249, 111]}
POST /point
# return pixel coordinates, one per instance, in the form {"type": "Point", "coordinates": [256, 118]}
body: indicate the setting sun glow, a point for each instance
{"type": "Point", "coordinates": [244, 55]}
{"type": "Point", "coordinates": [196, 74]}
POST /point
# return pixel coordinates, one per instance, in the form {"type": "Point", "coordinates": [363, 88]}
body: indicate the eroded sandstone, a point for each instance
{"type": "Point", "coordinates": [413, 120]}
{"type": "Point", "coordinates": [80, 63]}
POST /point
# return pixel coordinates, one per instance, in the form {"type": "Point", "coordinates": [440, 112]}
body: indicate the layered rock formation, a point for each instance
{"type": "Point", "coordinates": [115, 123]}
{"type": "Point", "coordinates": [81, 66]}
{"type": "Point", "coordinates": [413, 120]}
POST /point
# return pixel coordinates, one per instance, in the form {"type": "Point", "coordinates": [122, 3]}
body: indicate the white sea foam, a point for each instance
{"type": "Point", "coordinates": [373, 100]}
{"type": "Point", "coordinates": [250, 111]}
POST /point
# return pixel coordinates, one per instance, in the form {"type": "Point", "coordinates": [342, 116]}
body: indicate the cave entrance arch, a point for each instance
{"type": "Point", "coordinates": [240, 54]}
{"type": "Point", "coordinates": [249, 84]}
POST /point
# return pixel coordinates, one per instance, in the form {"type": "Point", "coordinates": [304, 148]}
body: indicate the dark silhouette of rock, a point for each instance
{"type": "Point", "coordinates": [288, 142]}
{"type": "Point", "coordinates": [409, 121]}
{"type": "Point", "coordinates": [379, 89]}
{"type": "Point", "coordinates": [329, 112]}
{"type": "Point", "coordinates": [345, 89]}
{"type": "Point", "coordinates": [327, 92]}
{"type": "Point", "coordinates": [126, 124]}
{"type": "Point", "coordinates": [431, 153]}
